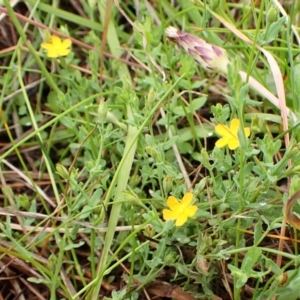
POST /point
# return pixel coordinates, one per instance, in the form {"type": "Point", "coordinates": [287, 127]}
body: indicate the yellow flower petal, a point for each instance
{"type": "Point", "coordinates": [220, 143]}
{"type": "Point", "coordinates": [181, 220]}
{"type": "Point", "coordinates": [234, 126]}
{"type": "Point", "coordinates": [63, 52]}
{"type": "Point", "coordinates": [233, 144]}
{"type": "Point", "coordinates": [187, 199]}
{"type": "Point", "coordinates": [247, 131]}
{"type": "Point", "coordinates": [47, 46]}
{"type": "Point", "coordinates": [223, 130]}
{"type": "Point", "coordinates": [52, 53]}
{"type": "Point", "coordinates": [190, 211]}
{"type": "Point", "coordinates": [173, 203]}
{"type": "Point", "coordinates": [56, 41]}
{"type": "Point", "coordinates": [66, 43]}
{"type": "Point", "coordinates": [169, 215]}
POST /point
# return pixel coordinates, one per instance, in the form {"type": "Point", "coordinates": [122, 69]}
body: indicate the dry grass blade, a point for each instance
{"type": "Point", "coordinates": [290, 216]}
{"type": "Point", "coordinates": [29, 182]}
{"type": "Point", "coordinates": [32, 289]}
{"type": "Point", "coordinates": [68, 284]}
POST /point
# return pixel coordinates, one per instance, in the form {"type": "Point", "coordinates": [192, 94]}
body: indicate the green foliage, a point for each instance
{"type": "Point", "coordinates": [90, 153]}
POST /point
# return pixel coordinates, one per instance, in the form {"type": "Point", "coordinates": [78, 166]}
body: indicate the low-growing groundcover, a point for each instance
{"type": "Point", "coordinates": [149, 150]}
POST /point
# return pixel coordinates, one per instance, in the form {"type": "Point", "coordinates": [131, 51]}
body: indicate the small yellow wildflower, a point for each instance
{"type": "Point", "coordinates": [56, 47]}
{"type": "Point", "coordinates": [180, 211]}
{"type": "Point", "coordinates": [230, 135]}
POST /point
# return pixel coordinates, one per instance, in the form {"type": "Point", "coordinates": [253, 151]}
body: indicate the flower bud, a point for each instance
{"type": "Point", "coordinates": [167, 184]}
{"type": "Point", "coordinates": [134, 180]}
{"type": "Point", "coordinates": [202, 265]}
{"type": "Point", "coordinates": [151, 151]}
{"type": "Point", "coordinates": [210, 57]}
{"type": "Point", "coordinates": [214, 4]}
{"type": "Point", "coordinates": [150, 99]}
{"type": "Point", "coordinates": [92, 3]}
{"type": "Point", "coordinates": [102, 111]}
{"type": "Point", "coordinates": [149, 230]}
{"type": "Point", "coordinates": [62, 171]}
{"type": "Point", "coordinates": [272, 14]}
{"type": "Point", "coordinates": [282, 278]}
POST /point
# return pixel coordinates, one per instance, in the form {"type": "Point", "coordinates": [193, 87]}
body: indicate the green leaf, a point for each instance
{"type": "Point", "coordinates": [38, 280]}
{"type": "Point", "coordinates": [257, 233]}
{"type": "Point", "coordinates": [296, 71]}
{"type": "Point", "coordinates": [271, 34]}
{"type": "Point", "coordinates": [194, 105]}
{"type": "Point", "coordinates": [250, 259]}
{"type": "Point", "coordinates": [73, 245]}
{"type": "Point", "coordinates": [237, 273]}
{"type": "Point", "coordinates": [156, 261]}
{"type": "Point", "coordinates": [203, 157]}
{"type": "Point", "coordinates": [197, 103]}
{"type": "Point", "coordinates": [85, 212]}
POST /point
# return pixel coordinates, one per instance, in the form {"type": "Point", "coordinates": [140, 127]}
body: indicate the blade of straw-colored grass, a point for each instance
{"type": "Point", "coordinates": [33, 289]}
{"type": "Point", "coordinates": [70, 229]}
{"type": "Point", "coordinates": [29, 182]}
{"type": "Point", "coordinates": [27, 88]}
{"type": "Point", "coordinates": [67, 282]}
{"type": "Point", "coordinates": [17, 290]}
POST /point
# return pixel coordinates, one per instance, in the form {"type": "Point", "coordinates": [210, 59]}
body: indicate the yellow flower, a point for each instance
{"type": "Point", "coordinates": [56, 47]}
{"type": "Point", "coordinates": [230, 135]}
{"type": "Point", "coordinates": [179, 211]}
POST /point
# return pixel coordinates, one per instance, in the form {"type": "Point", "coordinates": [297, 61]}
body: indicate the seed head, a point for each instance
{"type": "Point", "coordinates": [210, 57]}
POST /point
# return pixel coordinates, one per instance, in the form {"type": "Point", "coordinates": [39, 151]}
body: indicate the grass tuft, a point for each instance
{"type": "Point", "coordinates": [155, 157]}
